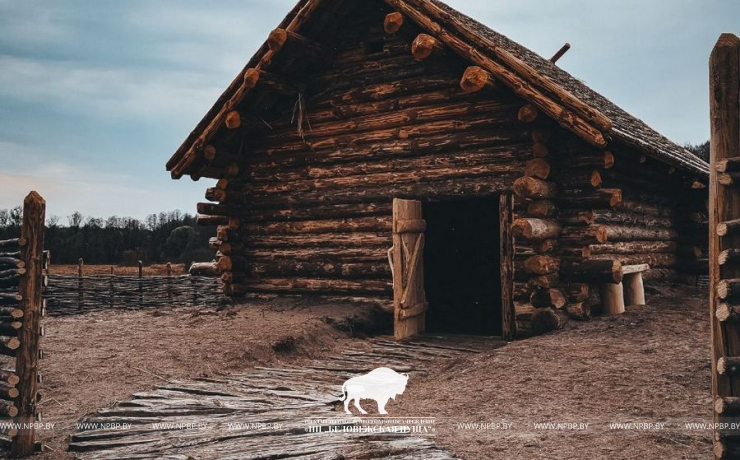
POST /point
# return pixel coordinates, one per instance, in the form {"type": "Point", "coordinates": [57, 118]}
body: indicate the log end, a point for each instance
{"type": "Point", "coordinates": [721, 366]}
{"type": "Point", "coordinates": [722, 229]}
{"type": "Point", "coordinates": [527, 113]}
{"type": "Point", "coordinates": [595, 179]}
{"type": "Point", "coordinates": [423, 46]}
{"type": "Point", "coordinates": [233, 120]}
{"type": "Point", "coordinates": [393, 22]}
{"type": "Point", "coordinates": [723, 289]}
{"type": "Point", "coordinates": [276, 40]}
{"type": "Point", "coordinates": [251, 77]}
{"type": "Point", "coordinates": [723, 312]}
{"type": "Point", "coordinates": [608, 160]}
{"type": "Point", "coordinates": [719, 405]}
{"type": "Point", "coordinates": [475, 79]}
{"type": "Point", "coordinates": [538, 168]}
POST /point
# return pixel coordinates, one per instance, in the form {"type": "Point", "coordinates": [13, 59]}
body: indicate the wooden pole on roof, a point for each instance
{"type": "Point", "coordinates": [724, 207]}
{"type": "Point", "coordinates": [564, 49]}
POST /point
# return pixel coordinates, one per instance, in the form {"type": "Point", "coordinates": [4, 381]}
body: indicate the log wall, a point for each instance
{"type": "Point", "coordinates": [309, 210]}
{"type": "Point", "coordinates": [308, 171]}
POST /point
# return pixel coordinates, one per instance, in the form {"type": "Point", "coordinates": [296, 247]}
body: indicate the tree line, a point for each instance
{"type": "Point", "coordinates": [164, 237]}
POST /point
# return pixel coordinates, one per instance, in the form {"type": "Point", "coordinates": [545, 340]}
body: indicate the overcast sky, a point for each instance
{"type": "Point", "coordinates": [96, 95]}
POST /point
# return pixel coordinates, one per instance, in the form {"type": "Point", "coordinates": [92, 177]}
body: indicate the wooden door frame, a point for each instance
{"type": "Point", "coordinates": [506, 268]}
{"type": "Point", "coordinates": [506, 241]}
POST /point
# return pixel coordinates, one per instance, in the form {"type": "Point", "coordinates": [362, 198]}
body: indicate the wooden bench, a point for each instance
{"type": "Point", "coordinates": [631, 291]}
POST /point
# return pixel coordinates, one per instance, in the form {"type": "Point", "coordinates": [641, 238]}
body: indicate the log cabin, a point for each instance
{"type": "Point", "coordinates": [399, 152]}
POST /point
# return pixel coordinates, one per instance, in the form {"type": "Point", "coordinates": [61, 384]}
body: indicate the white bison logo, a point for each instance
{"type": "Point", "coordinates": [380, 384]}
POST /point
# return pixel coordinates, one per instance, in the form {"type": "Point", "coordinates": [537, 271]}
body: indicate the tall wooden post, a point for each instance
{"type": "Point", "coordinates": [724, 206]}
{"type": "Point", "coordinates": [27, 355]}
{"type": "Point", "coordinates": [409, 298]}
{"type": "Point", "coordinates": [508, 314]}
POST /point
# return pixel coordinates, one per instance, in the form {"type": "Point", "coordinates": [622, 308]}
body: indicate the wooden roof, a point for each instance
{"type": "Point", "coordinates": [560, 95]}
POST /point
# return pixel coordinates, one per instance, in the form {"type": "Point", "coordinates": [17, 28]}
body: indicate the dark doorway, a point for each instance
{"type": "Point", "coordinates": [462, 268]}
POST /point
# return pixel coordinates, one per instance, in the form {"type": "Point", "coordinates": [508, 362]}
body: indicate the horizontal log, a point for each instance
{"type": "Point", "coordinates": [578, 179]}
{"type": "Point", "coordinates": [532, 188]}
{"type": "Point", "coordinates": [10, 328]}
{"type": "Point", "coordinates": [315, 285]}
{"type": "Point", "coordinates": [341, 211]}
{"type": "Point", "coordinates": [548, 298]}
{"type": "Point", "coordinates": [361, 224]}
{"type": "Point", "coordinates": [592, 234]}
{"type": "Point", "coordinates": [538, 168]}
{"type": "Point", "coordinates": [731, 255]}
{"type": "Point", "coordinates": [293, 43]}
{"type": "Point", "coordinates": [7, 298]}
{"type": "Point", "coordinates": [541, 265]}
{"type": "Point", "coordinates": [727, 405]}
{"type": "Point", "coordinates": [8, 392]}
{"type": "Point", "coordinates": [727, 313]}
{"type": "Point", "coordinates": [287, 268]}
{"type": "Point", "coordinates": [604, 271]}
{"type": "Point", "coordinates": [12, 243]}
{"type": "Point", "coordinates": [584, 199]}
{"type": "Point", "coordinates": [633, 247]}
{"type": "Point", "coordinates": [605, 216]}
{"type": "Point", "coordinates": [11, 312]}
{"type": "Point", "coordinates": [576, 292]}
{"type": "Point", "coordinates": [625, 233]}
{"type": "Point", "coordinates": [541, 208]}
{"type": "Point", "coordinates": [9, 377]}
{"type": "Point", "coordinates": [655, 260]}
{"type": "Point", "coordinates": [360, 254]}
{"type": "Point", "coordinates": [9, 343]}
{"type": "Point", "coordinates": [728, 165]}
{"type": "Point", "coordinates": [728, 227]}
{"type": "Point", "coordinates": [728, 365]}
{"type": "Point", "coordinates": [536, 229]}
{"type": "Point", "coordinates": [8, 409]}
{"type": "Point", "coordinates": [355, 240]}
{"type": "Point", "coordinates": [209, 221]}
{"type": "Point", "coordinates": [203, 269]}
{"type": "Point", "coordinates": [644, 208]}
{"type": "Point", "coordinates": [729, 289]}
{"type": "Point", "coordinates": [11, 262]}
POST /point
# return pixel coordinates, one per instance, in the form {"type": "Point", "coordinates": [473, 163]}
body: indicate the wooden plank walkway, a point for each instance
{"type": "Point", "coordinates": [281, 395]}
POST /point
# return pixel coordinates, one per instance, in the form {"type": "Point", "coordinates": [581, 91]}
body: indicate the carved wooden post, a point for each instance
{"type": "Point", "coordinates": [724, 209]}
{"type": "Point", "coordinates": [27, 355]}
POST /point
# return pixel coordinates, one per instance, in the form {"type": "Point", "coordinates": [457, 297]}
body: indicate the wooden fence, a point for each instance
{"type": "Point", "coordinates": [69, 294]}
{"type": "Point", "coordinates": [724, 241]}
{"type": "Point", "coordinates": [22, 267]}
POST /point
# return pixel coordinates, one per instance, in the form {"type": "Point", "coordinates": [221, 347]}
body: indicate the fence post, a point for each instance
{"type": "Point", "coordinates": [112, 288]}
{"type": "Point", "coordinates": [169, 282]}
{"type": "Point", "coordinates": [80, 264]}
{"type": "Point", "coordinates": [141, 287]}
{"type": "Point", "coordinates": [27, 355]}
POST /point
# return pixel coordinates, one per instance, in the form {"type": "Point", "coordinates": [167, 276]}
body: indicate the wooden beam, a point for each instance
{"type": "Point", "coordinates": [564, 49]}
{"type": "Point", "coordinates": [294, 43]}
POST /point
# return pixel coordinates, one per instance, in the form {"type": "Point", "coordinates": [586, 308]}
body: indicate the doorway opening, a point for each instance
{"type": "Point", "coordinates": [462, 266]}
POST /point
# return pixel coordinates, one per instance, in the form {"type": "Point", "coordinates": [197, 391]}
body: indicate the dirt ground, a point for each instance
{"type": "Point", "coordinates": [649, 365]}
{"type": "Point", "coordinates": [93, 360]}
{"type": "Point", "coordinates": [87, 270]}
